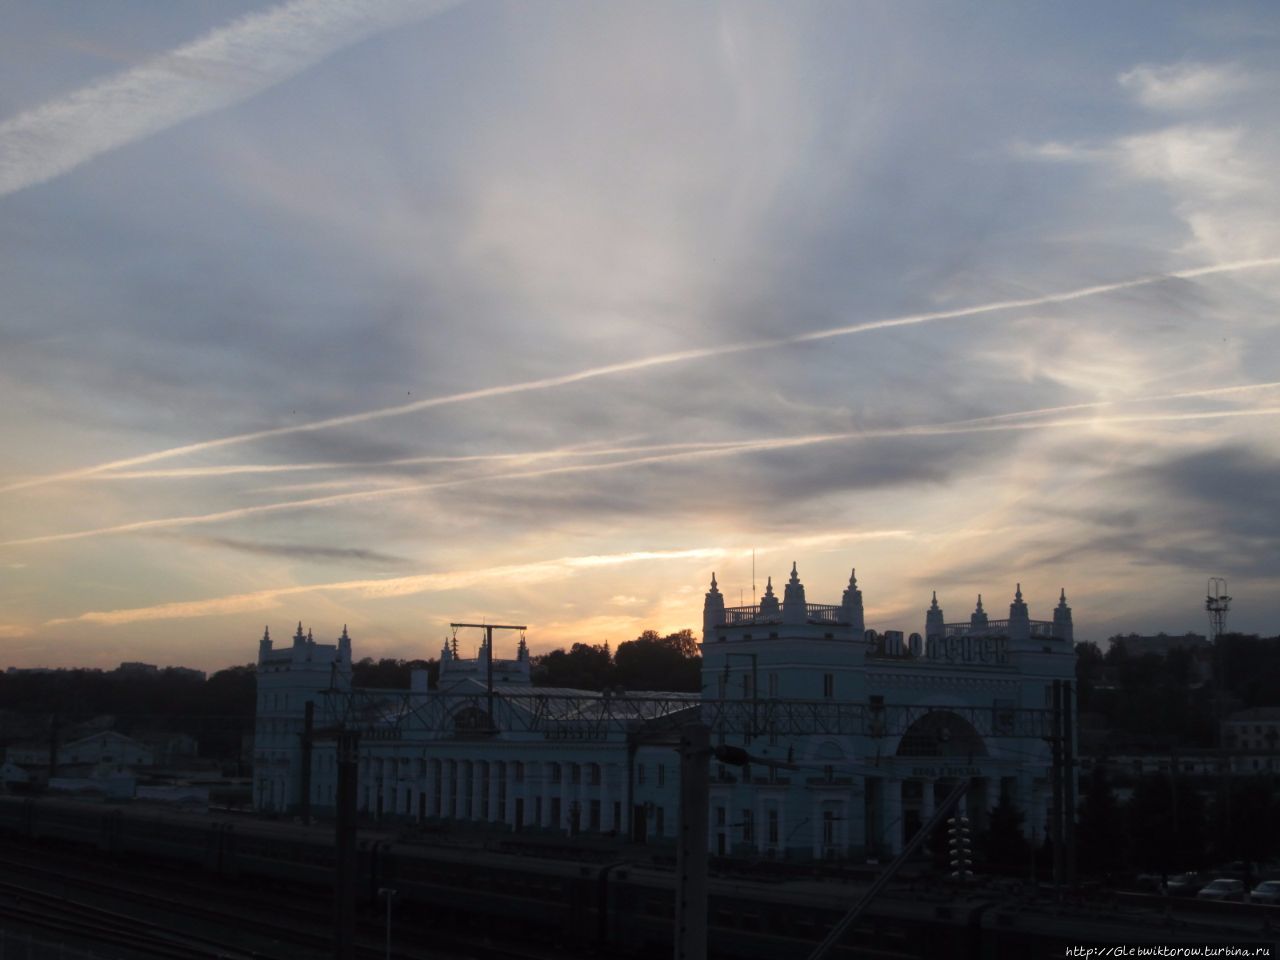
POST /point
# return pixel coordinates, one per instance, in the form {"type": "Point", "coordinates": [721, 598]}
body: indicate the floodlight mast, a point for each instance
{"type": "Point", "coordinates": [1216, 604]}
{"type": "Point", "coordinates": [488, 629]}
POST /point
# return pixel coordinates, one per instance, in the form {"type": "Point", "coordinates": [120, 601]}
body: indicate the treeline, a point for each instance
{"type": "Point", "coordinates": [1172, 699]}
{"type": "Point", "coordinates": [649, 662]}
{"type": "Point", "coordinates": [216, 711]}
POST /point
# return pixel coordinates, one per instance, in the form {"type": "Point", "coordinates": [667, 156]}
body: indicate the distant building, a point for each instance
{"type": "Point", "coordinates": [904, 718]}
{"type": "Point", "coordinates": [1161, 645]}
{"type": "Point", "coordinates": [134, 666]}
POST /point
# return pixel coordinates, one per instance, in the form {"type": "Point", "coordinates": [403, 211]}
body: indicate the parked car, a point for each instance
{"type": "Point", "coordinates": [1184, 884]}
{"type": "Point", "coordinates": [1268, 891]}
{"type": "Point", "coordinates": [1224, 888]}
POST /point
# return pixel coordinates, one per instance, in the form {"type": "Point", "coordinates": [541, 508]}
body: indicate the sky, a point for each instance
{"type": "Point", "coordinates": [392, 313]}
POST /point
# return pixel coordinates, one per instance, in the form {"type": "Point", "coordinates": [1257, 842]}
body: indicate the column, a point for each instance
{"type": "Point", "coordinates": [893, 816]}
{"type": "Point", "coordinates": [477, 785]}
{"type": "Point", "coordinates": [606, 798]}
{"type": "Point", "coordinates": [495, 773]}
{"type": "Point", "coordinates": [928, 801]}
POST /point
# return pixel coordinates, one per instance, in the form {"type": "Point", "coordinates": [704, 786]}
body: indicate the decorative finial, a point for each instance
{"type": "Point", "coordinates": [979, 610]}
{"type": "Point", "coordinates": [934, 604]}
{"type": "Point", "coordinates": [795, 577]}
{"type": "Point", "coordinates": [1062, 597]}
{"type": "Point", "coordinates": [713, 580]}
{"type": "Point", "coordinates": [308, 635]}
{"type": "Point", "coordinates": [853, 577]}
{"type": "Point", "coordinates": [1018, 594]}
{"type": "Point", "coordinates": [266, 633]}
{"type": "Point", "coordinates": [768, 587]}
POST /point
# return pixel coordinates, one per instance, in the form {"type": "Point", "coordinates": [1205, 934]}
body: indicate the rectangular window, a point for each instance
{"type": "Point", "coordinates": [720, 816]}
{"type": "Point", "coordinates": [640, 773]}
{"type": "Point", "coordinates": [746, 826]}
{"type": "Point", "coordinates": [773, 826]}
{"type": "Point", "coordinates": [662, 774]}
{"type": "Point", "coordinates": [746, 686]}
{"type": "Point", "coordinates": [828, 685]}
{"type": "Point", "coordinates": [828, 828]}
{"type": "Point", "coordinates": [773, 685]}
{"type": "Point", "coordinates": [660, 822]}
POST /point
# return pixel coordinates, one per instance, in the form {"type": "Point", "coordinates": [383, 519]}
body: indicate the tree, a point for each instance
{"type": "Point", "coordinates": [652, 662]}
{"type": "Point", "coordinates": [583, 667]}
{"type": "Point", "coordinates": [1100, 833]}
{"type": "Point", "coordinates": [1166, 821]}
{"type": "Point", "coordinates": [1003, 842]}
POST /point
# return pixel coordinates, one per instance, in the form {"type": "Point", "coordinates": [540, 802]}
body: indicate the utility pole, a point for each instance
{"type": "Point", "coordinates": [308, 738]}
{"type": "Point", "coordinates": [691, 855]}
{"type": "Point", "coordinates": [488, 629]}
{"type": "Point", "coordinates": [1056, 818]}
{"type": "Point", "coordinates": [1069, 788]}
{"type": "Point", "coordinates": [1216, 604]}
{"type": "Point", "coordinates": [344, 912]}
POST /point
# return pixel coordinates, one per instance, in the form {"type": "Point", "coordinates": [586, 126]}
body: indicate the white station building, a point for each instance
{"type": "Point", "coordinates": [854, 735]}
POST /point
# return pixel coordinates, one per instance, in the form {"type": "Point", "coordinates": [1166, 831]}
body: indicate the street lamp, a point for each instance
{"type": "Point", "coordinates": [389, 893]}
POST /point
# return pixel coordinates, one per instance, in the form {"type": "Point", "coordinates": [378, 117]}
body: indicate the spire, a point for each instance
{"type": "Point", "coordinates": [794, 608]}
{"type": "Point", "coordinates": [851, 606]}
{"type": "Point", "coordinates": [1062, 628]}
{"type": "Point", "coordinates": [266, 633]}
{"type": "Point", "coordinates": [978, 619]}
{"type": "Point", "coordinates": [934, 623]}
{"type": "Point", "coordinates": [712, 610]}
{"type": "Point", "coordinates": [264, 645]}
{"type": "Point", "coordinates": [769, 603]}
{"type": "Point", "coordinates": [299, 638]}
{"type": "Point", "coordinates": [1019, 618]}
{"type": "Point", "coordinates": [344, 633]}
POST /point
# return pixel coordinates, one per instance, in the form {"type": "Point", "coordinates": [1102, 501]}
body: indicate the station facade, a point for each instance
{"type": "Point", "coordinates": [853, 735]}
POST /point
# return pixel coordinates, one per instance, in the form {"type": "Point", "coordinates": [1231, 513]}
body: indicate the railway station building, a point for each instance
{"type": "Point", "coordinates": [853, 735]}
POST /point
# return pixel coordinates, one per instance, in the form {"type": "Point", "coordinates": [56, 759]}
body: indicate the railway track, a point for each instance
{"type": "Point", "coordinates": [39, 895]}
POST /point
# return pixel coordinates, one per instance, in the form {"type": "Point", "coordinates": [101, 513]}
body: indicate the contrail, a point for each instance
{"type": "Point", "coordinates": [391, 587]}
{"type": "Point", "coordinates": [629, 366]}
{"type": "Point", "coordinates": [222, 68]}
{"type": "Point", "coordinates": [586, 450]}
{"type": "Point", "coordinates": [726, 448]}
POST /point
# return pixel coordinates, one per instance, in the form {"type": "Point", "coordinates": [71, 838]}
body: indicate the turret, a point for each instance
{"type": "Point", "coordinates": [934, 624]}
{"type": "Point", "coordinates": [344, 647]}
{"type": "Point", "coordinates": [1062, 628]}
{"type": "Point", "coordinates": [769, 608]}
{"type": "Point", "coordinates": [712, 611]}
{"type": "Point", "coordinates": [978, 619]}
{"type": "Point", "coordinates": [264, 645]}
{"type": "Point", "coordinates": [299, 638]}
{"type": "Point", "coordinates": [1019, 618]}
{"type": "Point", "coordinates": [794, 608]}
{"type": "Point", "coordinates": [851, 605]}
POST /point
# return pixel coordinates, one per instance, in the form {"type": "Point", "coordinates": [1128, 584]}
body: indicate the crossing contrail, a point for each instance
{"type": "Point", "coordinates": [587, 450]}
{"type": "Point", "coordinates": [644, 363]}
{"type": "Point", "coordinates": [713, 450]}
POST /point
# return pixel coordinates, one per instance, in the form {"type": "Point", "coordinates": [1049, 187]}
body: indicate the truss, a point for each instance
{"type": "Point", "coordinates": [406, 715]}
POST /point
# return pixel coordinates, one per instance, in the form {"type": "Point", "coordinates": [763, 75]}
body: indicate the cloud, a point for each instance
{"type": "Point", "coordinates": [299, 551]}
{"type": "Point", "coordinates": [511, 574]}
{"type": "Point", "coordinates": [659, 360]}
{"type": "Point", "coordinates": [1183, 86]}
{"type": "Point", "coordinates": [879, 471]}
{"type": "Point", "coordinates": [222, 68]}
